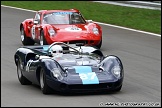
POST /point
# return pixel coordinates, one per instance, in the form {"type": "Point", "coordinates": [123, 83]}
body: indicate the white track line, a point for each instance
{"type": "Point", "coordinates": [145, 2]}
{"type": "Point", "coordinates": [129, 29]}
{"type": "Point", "coordinates": [96, 22]}
{"type": "Point", "coordinates": [129, 5]}
{"type": "Point", "coordinates": [18, 8]}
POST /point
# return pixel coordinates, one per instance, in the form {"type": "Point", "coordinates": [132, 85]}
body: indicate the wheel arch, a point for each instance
{"type": "Point", "coordinates": [23, 25]}
{"type": "Point", "coordinates": [111, 61]}
{"type": "Point", "coordinates": [16, 58]}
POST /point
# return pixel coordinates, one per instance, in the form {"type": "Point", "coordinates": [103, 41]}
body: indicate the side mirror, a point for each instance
{"type": "Point", "coordinates": [35, 21]}
{"type": "Point", "coordinates": [37, 57]}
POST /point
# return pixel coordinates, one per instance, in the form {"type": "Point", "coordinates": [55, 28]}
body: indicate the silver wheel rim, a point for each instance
{"type": "Point", "coordinates": [41, 80]}
{"type": "Point", "coordinates": [19, 72]}
{"type": "Point", "coordinates": [22, 35]}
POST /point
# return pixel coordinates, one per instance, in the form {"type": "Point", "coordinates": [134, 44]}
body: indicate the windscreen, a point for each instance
{"type": "Point", "coordinates": [63, 18]}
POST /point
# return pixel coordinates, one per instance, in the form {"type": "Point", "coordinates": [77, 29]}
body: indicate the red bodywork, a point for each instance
{"type": "Point", "coordinates": [63, 32]}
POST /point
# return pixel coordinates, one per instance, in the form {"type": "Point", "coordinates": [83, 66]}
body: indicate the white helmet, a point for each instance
{"type": "Point", "coordinates": [57, 51]}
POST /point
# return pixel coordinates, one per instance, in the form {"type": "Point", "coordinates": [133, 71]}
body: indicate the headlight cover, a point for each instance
{"type": "Point", "coordinates": [116, 71]}
{"type": "Point", "coordinates": [57, 74]}
{"type": "Point", "coordinates": [95, 31]}
{"type": "Point", "coordinates": [51, 32]}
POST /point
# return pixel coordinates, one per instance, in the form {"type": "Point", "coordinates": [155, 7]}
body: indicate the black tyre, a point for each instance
{"type": "Point", "coordinates": [42, 39]}
{"type": "Point", "coordinates": [99, 45]}
{"type": "Point", "coordinates": [24, 39]}
{"type": "Point", "coordinates": [43, 84]}
{"type": "Point", "coordinates": [118, 89]}
{"type": "Point", "coordinates": [23, 80]}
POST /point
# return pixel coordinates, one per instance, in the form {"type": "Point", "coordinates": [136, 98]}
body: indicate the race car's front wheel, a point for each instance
{"type": "Point", "coordinates": [42, 39]}
{"type": "Point", "coordinates": [118, 89]}
{"type": "Point", "coordinates": [23, 80]}
{"type": "Point", "coordinates": [24, 39]}
{"type": "Point", "coordinates": [99, 45]}
{"type": "Point", "coordinates": [43, 84]}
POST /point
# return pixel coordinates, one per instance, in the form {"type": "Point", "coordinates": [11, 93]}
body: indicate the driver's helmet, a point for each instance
{"type": "Point", "coordinates": [57, 51]}
{"type": "Point", "coordinates": [76, 17]}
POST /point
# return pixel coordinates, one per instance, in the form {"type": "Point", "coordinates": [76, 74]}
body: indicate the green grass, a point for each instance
{"type": "Point", "coordinates": [136, 18]}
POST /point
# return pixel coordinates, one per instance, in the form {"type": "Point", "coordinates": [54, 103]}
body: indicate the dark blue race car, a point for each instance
{"type": "Point", "coordinates": [80, 69]}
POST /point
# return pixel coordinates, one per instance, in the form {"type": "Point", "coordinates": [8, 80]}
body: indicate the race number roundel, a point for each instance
{"type": "Point", "coordinates": [33, 32]}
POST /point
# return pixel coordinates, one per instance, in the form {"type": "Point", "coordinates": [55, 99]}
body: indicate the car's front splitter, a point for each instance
{"type": "Point", "coordinates": [79, 88]}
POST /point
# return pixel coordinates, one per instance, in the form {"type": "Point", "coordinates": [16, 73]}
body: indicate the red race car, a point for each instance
{"type": "Point", "coordinates": [67, 26]}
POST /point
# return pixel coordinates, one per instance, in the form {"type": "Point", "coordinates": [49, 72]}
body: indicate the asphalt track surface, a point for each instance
{"type": "Point", "coordinates": [139, 52]}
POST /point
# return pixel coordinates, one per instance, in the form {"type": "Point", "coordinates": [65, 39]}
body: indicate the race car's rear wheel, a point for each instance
{"type": "Point", "coordinates": [43, 84]}
{"type": "Point", "coordinates": [24, 39]}
{"type": "Point", "coordinates": [42, 39]}
{"type": "Point", "coordinates": [23, 80]}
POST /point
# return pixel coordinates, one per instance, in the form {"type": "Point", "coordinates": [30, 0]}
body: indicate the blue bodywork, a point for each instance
{"type": "Point", "coordinates": [88, 71]}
